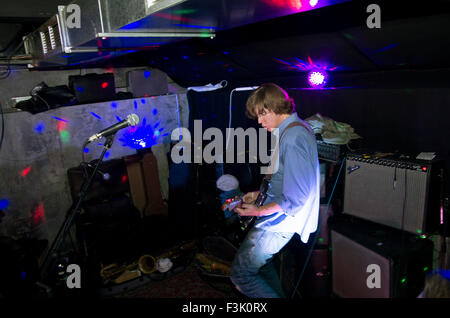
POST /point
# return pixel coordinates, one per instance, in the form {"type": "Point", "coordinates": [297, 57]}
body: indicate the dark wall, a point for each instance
{"type": "Point", "coordinates": [409, 117]}
{"type": "Point", "coordinates": [406, 120]}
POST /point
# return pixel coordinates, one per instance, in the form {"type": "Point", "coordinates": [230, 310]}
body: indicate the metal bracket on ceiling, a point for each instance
{"type": "Point", "coordinates": [203, 34]}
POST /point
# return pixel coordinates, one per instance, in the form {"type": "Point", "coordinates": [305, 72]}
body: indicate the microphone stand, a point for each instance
{"type": "Point", "coordinates": [72, 213]}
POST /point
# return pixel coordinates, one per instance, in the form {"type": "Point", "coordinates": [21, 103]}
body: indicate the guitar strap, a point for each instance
{"type": "Point", "coordinates": [275, 154]}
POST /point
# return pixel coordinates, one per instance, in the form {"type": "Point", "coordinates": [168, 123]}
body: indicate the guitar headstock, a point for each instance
{"type": "Point", "coordinates": [231, 204]}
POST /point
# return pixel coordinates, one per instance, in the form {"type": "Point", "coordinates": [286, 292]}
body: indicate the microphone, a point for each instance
{"type": "Point", "coordinates": [132, 120]}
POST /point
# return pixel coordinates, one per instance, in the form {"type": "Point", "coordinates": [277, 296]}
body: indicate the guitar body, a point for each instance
{"type": "Point", "coordinates": [246, 222]}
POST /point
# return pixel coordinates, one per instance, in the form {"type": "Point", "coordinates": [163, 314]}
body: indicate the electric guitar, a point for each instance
{"type": "Point", "coordinates": [247, 221]}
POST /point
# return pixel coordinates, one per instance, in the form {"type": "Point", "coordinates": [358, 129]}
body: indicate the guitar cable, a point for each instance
{"type": "Point", "coordinates": [318, 229]}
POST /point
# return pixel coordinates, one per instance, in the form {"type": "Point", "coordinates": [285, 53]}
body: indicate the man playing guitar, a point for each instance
{"type": "Point", "coordinates": [292, 201]}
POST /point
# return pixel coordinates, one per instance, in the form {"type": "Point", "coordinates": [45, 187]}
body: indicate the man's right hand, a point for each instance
{"type": "Point", "coordinates": [250, 197]}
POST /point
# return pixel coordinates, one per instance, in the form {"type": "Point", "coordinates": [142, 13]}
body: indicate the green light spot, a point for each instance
{"type": "Point", "coordinates": [65, 136]}
{"type": "Point", "coordinates": [320, 240]}
{"type": "Point", "coordinates": [185, 11]}
{"type": "Point", "coordinates": [419, 231]}
{"type": "Point", "coordinates": [425, 268]}
{"type": "Point", "coordinates": [403, 280]}
{"type": "Point", "coordinates": [348, 36]}
{"type": "Point", "coordinates": [205, 34]}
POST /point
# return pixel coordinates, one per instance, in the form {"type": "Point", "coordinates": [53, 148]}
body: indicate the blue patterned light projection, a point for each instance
{"type": "Point", "coordinates": [143, 135]}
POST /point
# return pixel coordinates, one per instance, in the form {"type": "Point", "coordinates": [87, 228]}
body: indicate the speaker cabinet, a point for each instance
{"type": "Point", "coordinates": [395, 193]}
{"type": "Point", "coordinates": [374, 261]}
{"type": "Point", "coordinates": [93, 88]}
{"type": "Point", "coordinates": [144, 83]}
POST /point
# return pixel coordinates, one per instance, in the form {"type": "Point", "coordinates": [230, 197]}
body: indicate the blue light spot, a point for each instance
{"type": "Point", "coordinates": [386, 48]}
{"type": "Point", "coordinates": [135, 105]}
{"type": "Point", "coordinates": [114, 105]}
{"type": "Point", "coordinates": [144, 136]}
{"type": "Point", "coordinates": [225, 52]}
{"type": "Point", "coordinates": [185, 57]}
{"type": "Point", "coordinates": [147, 74]}
{"type": "Point", "coordinates": [143, 101]}
{"type": "Point", "coordinates": [154, 112]}
{"type": "Point", "coordinates": [107, 154]}
{"type": "Point", "coordinates": [95, 115]}
{"type": "Point", "coordinates": [86, 150]}
{"type": "Point", "coordinates": [80, 89]}
{"type": "Point", "coordinates": [60, 119]}
{"type": "Point", "coordinates": [118, 118]}
{"type": "Point", "coordinates": [4, 203]}
{"type": "Point", "coordinates": [157, 124]}
{"type": "Point", "coordinates": [39, 128]}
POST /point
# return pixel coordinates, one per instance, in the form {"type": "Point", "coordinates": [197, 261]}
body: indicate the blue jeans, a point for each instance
{"type": "Point", "coordinates": [252, 271]}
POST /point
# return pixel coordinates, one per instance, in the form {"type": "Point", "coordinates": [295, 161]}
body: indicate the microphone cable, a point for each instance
{"type": "Point", "coordinates": [318, 229]}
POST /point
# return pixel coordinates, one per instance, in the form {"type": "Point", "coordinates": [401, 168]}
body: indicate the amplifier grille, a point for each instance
{"type": "Point", "coordinates": [388, 193]}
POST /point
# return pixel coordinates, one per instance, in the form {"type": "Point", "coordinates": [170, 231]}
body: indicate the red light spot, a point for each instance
{"type": "Point", "coordinates": [61, 126]}
{"type": "Point", "coordinates": [104, 84]}
{"type": "Point", "coordinates": [146, 95]}
{"type": "Point", "coordinates": [25, 171]}
{"type": "Point", "coordinates": [424, 168]}
{"type": "Point", "coordinates": [173, 17]}
{"type": "Point", "coordinates": [124, 178]}
{"type": "Point", "coordinates": [38, 214]}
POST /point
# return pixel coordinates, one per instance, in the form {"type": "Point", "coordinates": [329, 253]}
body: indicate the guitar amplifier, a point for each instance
{"type": "Point", "coordinates": [329, 152]}
{"type": "Point", "coordinates": [403, 194]}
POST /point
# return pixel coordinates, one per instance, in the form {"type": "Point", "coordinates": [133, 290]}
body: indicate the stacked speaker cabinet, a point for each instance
{"type": "Point", "coordinates": [377, 249]}
{"type": "Point", "coordinates": [369, 261]}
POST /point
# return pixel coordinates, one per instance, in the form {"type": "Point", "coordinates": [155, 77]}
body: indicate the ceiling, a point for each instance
{"type": "Point", "coordinates": [414, 36]}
